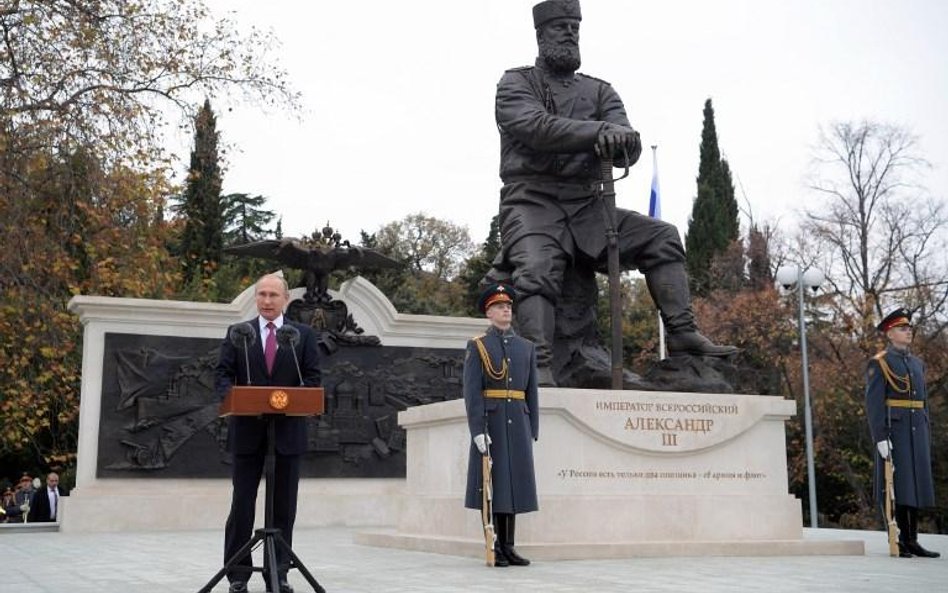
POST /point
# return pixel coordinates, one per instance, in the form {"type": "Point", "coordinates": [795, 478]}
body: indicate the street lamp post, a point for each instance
{"type": "Point", "coordinates": [794, 278]}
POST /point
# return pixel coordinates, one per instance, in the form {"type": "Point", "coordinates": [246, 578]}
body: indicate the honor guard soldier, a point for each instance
{"type": "Point", "coordinates": [897, 410]}
{"type": "Point", "coordinates": [500, 394]}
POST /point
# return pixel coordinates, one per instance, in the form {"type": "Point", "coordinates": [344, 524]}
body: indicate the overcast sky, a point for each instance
{"type": "Point", "coordinates": [399, 98]}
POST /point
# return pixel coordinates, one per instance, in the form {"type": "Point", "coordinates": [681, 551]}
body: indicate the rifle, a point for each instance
{"type": "Point", "coordinates": [487, 505]}
{"type": "Point", "coordinates": [607, 193]}
{"type": "Point", "coordinates": [891, 525]}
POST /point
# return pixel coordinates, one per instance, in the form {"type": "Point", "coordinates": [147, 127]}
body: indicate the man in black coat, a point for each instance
{"type": "Point", "coordinates": [44, 506]}
{"type": "Point", "coordinates": [897, 410]}
{"type": "Point", "coordinates": [554, 125]}
{"type": "Point", "coordinates": [500, 395]}
{"type": "Point", "coordinates": [269, 365]}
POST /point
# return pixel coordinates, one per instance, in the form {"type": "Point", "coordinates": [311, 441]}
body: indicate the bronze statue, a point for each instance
{"type": "Point", "coordinates": [554, 125]}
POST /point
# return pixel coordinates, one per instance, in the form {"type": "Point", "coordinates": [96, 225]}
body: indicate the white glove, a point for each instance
{"type": "Point", "coordinates": [884, 447]}
{"type": "Point", "coordinates": [481, 441]}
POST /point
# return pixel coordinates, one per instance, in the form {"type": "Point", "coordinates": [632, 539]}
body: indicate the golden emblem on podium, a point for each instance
{"type": "Point", "coordinates": [279, 399]}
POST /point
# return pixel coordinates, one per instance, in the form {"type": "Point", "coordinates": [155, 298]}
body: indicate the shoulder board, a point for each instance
{"type": "Point", "coordinates": [520, 69]}
{"type": "Point", "coordinates": [593, 78]}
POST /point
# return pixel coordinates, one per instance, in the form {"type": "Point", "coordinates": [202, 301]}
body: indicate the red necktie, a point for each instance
{"type": "Point", "coordinates": [270, 349]}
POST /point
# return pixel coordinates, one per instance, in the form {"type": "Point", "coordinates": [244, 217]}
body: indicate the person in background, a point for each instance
{"type": "Point", "coordinates": [23, 496]}
{"type": "Point", "coordinates": [44, 506]}
{"type": "Point", "coordinates": [8, 507]}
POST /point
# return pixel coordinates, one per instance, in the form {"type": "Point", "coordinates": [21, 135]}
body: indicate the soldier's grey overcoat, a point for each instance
{"type": "Point", "coordinates": [513, 424]}
{"type": "Point", "coordinates": [908, 429]}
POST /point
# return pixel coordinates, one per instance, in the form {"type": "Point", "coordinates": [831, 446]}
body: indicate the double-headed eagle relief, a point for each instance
{"type": "Point", "coordinates": [318, 256]}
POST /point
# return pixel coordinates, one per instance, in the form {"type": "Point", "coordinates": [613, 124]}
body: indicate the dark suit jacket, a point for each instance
{"type": "Point", "coordinates": [39, 506]}
{"type": "Point", "coordinates": [247, 434]}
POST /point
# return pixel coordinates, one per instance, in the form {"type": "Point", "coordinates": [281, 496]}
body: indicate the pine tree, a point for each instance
{"type": "Point", "coordinates": [714, 223]}
{"type": "Point", "coordinates": [246, 220]}
{"type": "Point", "coordinates": [202, 240]}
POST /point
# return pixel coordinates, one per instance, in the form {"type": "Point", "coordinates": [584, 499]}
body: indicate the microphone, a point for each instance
{"type": "Point", "coordinates": [243, 336]}
{"type": "Point", "coordinates": [288, 337]}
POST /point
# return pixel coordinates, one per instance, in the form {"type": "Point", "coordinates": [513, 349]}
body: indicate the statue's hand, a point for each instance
{"type": "Point", "coordinates": [616, 141]}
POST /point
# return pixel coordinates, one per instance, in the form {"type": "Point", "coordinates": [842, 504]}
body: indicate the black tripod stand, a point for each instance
{"type": "Point", "coordinates": [269, 536]}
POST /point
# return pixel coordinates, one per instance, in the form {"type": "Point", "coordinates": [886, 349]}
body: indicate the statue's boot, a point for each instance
{"type": "Point", "coordinates": [668, 285]}
{"type": "Point", "coordinates": [536, 322]}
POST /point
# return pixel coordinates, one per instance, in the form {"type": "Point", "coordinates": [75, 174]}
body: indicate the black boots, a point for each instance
{"type": "Point", "coordinates": [504, 552]}
{"type": "Point", "coordinates": [915, 549]}
{"type": "Point", "coordinates": [668, 285]}
{"type": "Point", "coordinates": [907, 519]}
{"type": "Point", "coordinates": [500, 560]}
{"type": "Point", "coordinates": [513, 557]}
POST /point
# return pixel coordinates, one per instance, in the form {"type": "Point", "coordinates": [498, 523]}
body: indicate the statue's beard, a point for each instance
{"type": "Point", "coordinates": [562, 58]}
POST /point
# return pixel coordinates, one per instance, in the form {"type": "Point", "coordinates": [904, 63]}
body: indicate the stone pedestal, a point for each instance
{"type": "Point", "coordinates": [619, 474]}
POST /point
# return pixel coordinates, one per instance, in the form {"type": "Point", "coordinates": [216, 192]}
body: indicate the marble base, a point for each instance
{"type": "Point", "coordinates": [174, 505]}
{"type": "Point", "coordinates": [619, 474]}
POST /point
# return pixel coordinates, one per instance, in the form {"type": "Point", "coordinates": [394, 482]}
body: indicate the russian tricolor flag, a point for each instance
{"type": "Point", "coordinates": [654, 200]}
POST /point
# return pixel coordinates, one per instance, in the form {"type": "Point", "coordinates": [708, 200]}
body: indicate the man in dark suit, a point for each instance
{"type": "Point", "coordinates": [500, 394]}
{"type": "Point", "coordinates": [269, 364]}
{"type": "Point", "coordinates": [44, 507]}
{"type": "Point", "coordinates": [897, 410]}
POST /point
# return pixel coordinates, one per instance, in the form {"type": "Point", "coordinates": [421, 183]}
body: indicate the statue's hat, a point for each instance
{"type": "Point", "coordinates": [555, 9]}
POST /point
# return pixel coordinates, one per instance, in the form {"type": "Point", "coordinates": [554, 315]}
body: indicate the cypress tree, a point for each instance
{"type": "Point", "coordinates": [202, 240]}
{"type": "Point", "coordinates": [478, 265]}
{"type": "Point", "coordinates": [714, 222]}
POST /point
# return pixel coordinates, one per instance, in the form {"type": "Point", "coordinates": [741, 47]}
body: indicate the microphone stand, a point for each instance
{"type": "Point", "coordinates": [247, 361]}
{"type": "Point", "coordinates": [270, 536]}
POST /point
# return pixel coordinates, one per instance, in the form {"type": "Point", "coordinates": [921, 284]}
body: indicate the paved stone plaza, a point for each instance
{"type": "Point", "coordinates": [184, 561]}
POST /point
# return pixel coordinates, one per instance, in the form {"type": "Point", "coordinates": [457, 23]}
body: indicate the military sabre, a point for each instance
{"type": "Point", "coordinates": [607, 193]}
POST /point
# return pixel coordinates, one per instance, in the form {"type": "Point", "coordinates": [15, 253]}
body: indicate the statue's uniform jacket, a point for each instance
{"type": "Point", "coordinates": [513, 424]}
{"type": "Point", "coordinates": [910, 429]}
{"type": "Point", "coordinates": [549, 125]}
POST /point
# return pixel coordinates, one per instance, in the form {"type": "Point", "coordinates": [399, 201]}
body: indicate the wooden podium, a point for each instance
{"type": "Point", "coordinates": [270, 403]}
{"type": "Point", "coordinates": [251, 400]}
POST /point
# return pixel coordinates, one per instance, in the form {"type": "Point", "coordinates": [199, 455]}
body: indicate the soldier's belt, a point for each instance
{"type": "Point", "coordinates": [905, 403]}
{"type": "Point", "coordinates": [504, 394]}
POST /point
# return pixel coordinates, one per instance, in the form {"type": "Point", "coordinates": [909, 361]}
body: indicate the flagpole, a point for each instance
{"type": "Point", "coordinates": [655, 211]}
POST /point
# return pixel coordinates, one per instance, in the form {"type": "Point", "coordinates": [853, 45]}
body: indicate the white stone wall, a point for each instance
{"type": "Point", "coordinates": [130, 504]}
